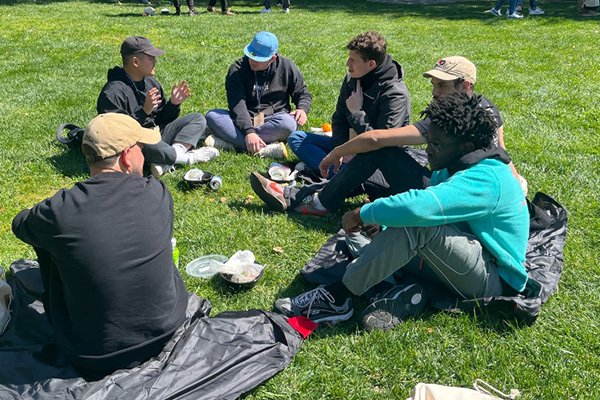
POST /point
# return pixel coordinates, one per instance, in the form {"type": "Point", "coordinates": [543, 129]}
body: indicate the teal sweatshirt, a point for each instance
{"type": "Point", "coordinates": [485, 195]}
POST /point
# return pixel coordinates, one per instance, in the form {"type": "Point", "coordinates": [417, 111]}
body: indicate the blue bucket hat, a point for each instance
{"type": "Point", "coordinates": [262, 47]}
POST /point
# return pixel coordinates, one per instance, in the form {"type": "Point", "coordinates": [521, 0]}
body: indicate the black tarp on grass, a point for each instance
{"type": "Point", "coordinates": [207, 358]}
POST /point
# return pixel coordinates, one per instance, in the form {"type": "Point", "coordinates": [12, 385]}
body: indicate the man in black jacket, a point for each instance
{"type": "Point", "coordinates": [259, 88]}
{"type": "Point", "coordinates": [373, 96]}
{"type": "Point", "coordinates": [112, 293]}
{"type": "Point", "coordinates": [134, 91]}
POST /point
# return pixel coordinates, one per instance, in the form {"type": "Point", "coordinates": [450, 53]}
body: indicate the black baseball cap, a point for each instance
{"type": "Point", "coordinates": [139, 44]}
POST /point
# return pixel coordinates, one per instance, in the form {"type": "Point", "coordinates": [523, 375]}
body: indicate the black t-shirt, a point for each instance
{"type": "Point", "coordinates": [104, 248]}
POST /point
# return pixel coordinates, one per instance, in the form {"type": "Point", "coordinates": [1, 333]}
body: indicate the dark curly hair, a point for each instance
{"type": "Point", "coordinates": [461, 117]}
{"type": "Point", "coordinates": [370, 45]}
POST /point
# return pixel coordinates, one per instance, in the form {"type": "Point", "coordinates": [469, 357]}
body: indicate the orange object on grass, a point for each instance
{"type": "Point", "coordinates": [326, 127]}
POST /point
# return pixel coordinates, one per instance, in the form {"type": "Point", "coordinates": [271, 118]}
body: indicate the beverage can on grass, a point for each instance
{"type": "Point", "coordinates": [216, 182]}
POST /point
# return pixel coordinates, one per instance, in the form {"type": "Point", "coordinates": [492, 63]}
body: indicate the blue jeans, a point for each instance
{"type": "Point", "coordinates": [277, 127]}
{"type": "Point", "coordinates": [310, 148]}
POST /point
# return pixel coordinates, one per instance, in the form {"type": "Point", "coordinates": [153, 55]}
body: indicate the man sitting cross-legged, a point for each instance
{"type": "Point", "coordinates": [260, 87]}
{"type": "Point", "coordinates": [133, 90]}
{"type": "Point", "coordinates": [113, 295]}
{"type": "Point", "coordinates": [470, 226]}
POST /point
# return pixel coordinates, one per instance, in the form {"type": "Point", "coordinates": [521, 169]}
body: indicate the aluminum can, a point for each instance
{"type": "Point", "coordinates": [216, 182]}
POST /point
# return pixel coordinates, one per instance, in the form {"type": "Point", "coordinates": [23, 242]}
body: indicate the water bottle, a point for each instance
{"type": "Point", "coordinates": [175, 252]}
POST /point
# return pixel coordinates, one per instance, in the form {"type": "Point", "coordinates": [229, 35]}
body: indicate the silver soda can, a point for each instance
{"type": "Point", "coordinates": [216, 182]}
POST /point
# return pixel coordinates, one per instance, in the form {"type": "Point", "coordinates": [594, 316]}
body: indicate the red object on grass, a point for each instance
{"type": "Point", "coordinates": [303, 325]}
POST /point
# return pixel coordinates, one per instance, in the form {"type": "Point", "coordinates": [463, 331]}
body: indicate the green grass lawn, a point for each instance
{"type": "Point", "coordinates": [542, 73]}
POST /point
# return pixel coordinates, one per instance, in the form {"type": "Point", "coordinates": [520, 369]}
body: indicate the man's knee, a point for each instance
{"type": "Point", "coordinates": [295, 140]}
{"type": "Point", "coordinates": [214, 116]}
{"type": "Point", "coordinates": [287, 123]}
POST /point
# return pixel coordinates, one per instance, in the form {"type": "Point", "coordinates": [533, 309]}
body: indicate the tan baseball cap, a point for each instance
{"type": "Point", "coordinates": [451, 68]}
{"type": "Point", "coordinates": [111, 133]}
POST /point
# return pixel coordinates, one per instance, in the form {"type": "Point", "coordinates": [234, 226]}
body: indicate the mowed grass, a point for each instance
{"type": "Point", "coordinates": [542, 73]}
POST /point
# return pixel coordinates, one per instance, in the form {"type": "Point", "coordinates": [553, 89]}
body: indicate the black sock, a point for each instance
{"type": "Point", "coordinates": [339, 292]}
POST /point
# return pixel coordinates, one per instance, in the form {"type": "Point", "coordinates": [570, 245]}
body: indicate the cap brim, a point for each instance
{"type": "Point", "coordinates": [436, 73]}
{"type": "Point", "coordinates": [255, 57]}
{"type": "Point", "coordinates": [154, 52]}
{"type": "Point", "coordinates": [149, 136]}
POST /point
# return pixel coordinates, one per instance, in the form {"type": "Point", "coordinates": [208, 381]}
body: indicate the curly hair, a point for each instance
{"type": "Point", "coordinates": [461, 117]}
{"type": "Point", "coordinates": [370, 45]}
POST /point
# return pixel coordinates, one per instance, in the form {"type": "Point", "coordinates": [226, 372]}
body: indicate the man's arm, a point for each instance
{"type": "Point", "coordinates": [371, 141]}
{"type": "Point", "coordinates": [299, 94]}
{"type": "Point", "coordinates": [236, 100]}
{"type": "Point", "coordinates": [168, 111]}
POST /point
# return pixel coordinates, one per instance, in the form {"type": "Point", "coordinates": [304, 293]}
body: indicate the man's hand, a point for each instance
{"type": "Point", "coordinates": [180, 93]}
{"type": "Point", "coordinates": [355, 101]}
{"type": "Point", "coordinates": [254, 143]}
{"type": "Point", "coordinates": [371, 230]}
{"type": "Point", "coordinates": [299, 115]}
{"type": "Point", "coordinates": [152, 101]}
{"type": "Point", "coordinates": [330, 159]}
{"type": "Point", "coordinates": [351, 221]}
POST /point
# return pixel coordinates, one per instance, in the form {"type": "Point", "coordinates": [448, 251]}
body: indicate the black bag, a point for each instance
{"type": "Point", "coordinates": [73, 137]}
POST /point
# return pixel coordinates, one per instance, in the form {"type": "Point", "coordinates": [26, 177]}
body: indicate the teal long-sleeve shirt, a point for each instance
{"type": "Point", "coordinates": [486, 196]}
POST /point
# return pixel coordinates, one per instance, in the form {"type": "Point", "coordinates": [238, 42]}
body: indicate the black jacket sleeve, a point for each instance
{"type": "Point", "coordinates": [236, 99]}
{"type": "Point", "coordinates": [116, 97]}
{"type": "Point", "coordinates": [393, 111]}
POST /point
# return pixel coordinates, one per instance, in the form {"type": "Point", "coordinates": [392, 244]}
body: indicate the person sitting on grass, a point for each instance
{"type": "Point", "coordinates": [133, 90]}
{"type": "Point", "coordinates": [373, 95]}
{"type": "Point", "coordinates": [112, 293]}
{"type": "Point", "coordinates": [259, 88]}
{"type": "Point", "coordinates": [469, 227]}
{"type": "Point", "coordinates": [378, 149]}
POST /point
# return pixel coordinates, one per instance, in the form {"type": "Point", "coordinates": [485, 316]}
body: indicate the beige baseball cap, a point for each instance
{"type": "Point", "coordinates": [451, 68]}
{"type": "Point", "coordinates": [111, 133]}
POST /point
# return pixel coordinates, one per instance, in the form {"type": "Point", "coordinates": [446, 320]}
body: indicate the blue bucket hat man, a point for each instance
{"type": "Point", "coordinates": [263, 47]}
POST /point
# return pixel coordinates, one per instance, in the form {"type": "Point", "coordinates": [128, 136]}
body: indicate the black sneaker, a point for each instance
{"type": "Point", "coordinates": [317, 305]}
{"type": "Point", "coordinates": [394, 306]}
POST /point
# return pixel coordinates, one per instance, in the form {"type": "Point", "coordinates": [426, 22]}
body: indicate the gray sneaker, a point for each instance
{"type": "Point", "coordinates": [317, 305]}
{"type": "Point", "coordinates": [270, 192]}
{"type": "Point", "coordinates": [394, 306]}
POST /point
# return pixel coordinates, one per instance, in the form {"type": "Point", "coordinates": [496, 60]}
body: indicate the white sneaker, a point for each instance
{"type": "Point", "coordinates": [514, 15]}
{"type": "Point", "coordinates": [536, 11]}
{"type": "Point", "coordinates": [494, 12]}
{"type": "Point", "coordinates": [276, 150]}
{"type": "Point", "coordinates": [286, 10]}
{"type": "Point", "coordinates": [158, 170]}
{"type": "Point", "coordinates": [203, 154]}
{"type": "Point", "coordinates": [217, 143]}
{"type": "Point", "coordinates": [265, 10]}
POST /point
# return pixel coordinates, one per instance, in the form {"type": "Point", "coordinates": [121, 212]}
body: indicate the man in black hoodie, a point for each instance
{"type": "Point", "coordinates": [260, 87]}
{"type": "Point", "coordinates": [134, 91]}
{"type": "Point", "coordinates": [372, 96]}
{"type": "Point", "coordinates": [112, 293]}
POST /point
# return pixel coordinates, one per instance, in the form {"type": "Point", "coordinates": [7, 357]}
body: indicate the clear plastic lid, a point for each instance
{"type": "Point", "coordinates": [206, 266]}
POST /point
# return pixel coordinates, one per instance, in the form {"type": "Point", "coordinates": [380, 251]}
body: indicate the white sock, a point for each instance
{"type": "Point", "coordinates": [182, 157]}
{"type": "Point", "coordinates": [317, 202]}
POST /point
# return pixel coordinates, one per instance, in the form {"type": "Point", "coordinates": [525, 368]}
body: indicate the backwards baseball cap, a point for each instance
{"type": "Point", "coordinates": [451, 68]}
{"type": "Point", "coordinates": [262, 47]}
{"type": "Point", "coordinates": [111, 133]}
{"type": "Point", "coordinates": [139, 44]}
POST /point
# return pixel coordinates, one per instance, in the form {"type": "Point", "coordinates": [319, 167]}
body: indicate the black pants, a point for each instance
{"type": "Point", "coordinates": [398, 169]}
{"type": "Point", "coordinates": [224, 6]}
{"type": "Point", "coordinates": [187, 129]}
{"type": "Point", "coordinates": [177, 5]}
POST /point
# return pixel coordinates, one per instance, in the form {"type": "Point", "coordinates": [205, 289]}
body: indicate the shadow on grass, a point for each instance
{"type": "Point", "coordinates": [462, 10]}
{"type": "Point", "coordinates": [70, 162]}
